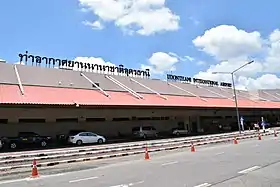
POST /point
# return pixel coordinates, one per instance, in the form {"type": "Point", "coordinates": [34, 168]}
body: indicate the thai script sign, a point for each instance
{"type": "Point", "coordinates": [70, 64]}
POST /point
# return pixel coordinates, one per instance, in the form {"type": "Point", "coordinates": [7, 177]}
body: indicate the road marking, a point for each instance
{"type": "Point", "coordinates": [127, 185]}
{"type": "Point", "coordinates": [203, 185]}
{"type": "Point", "coordinates": [84, 179]}
{"type": "Point", "coordinates": [169, 163]}
{"type": "Point", "coordinates": [12, 181]}
{"type": "Point", "coordinates": [249, 169]}
{"type": "Point", "coordinates": [30, 179]}
{"type": "Point", "coordinates": [44, 176]}
{"type": "Point", "coordinates": [220, 153]}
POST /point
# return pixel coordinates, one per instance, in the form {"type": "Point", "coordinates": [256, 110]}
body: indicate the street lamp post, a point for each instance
{"type": "Point", "coordinates": [234, 90]}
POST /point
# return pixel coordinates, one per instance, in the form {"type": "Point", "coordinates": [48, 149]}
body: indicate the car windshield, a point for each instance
{"type": "Point", "coordinates": [74, 132]}
{"type": "Point", "coordinates": [135, 129]}
{"type": "Point", "coordinates": [28, 134]}
{"type": "Point", "coordinates": [92, 134]}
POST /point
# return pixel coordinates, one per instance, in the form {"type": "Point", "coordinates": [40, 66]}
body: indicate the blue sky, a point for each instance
{"type": "Point", "coordinates": [57, 28]}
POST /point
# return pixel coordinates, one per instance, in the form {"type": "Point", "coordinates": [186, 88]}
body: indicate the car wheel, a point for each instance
{"type": "Point", "coordinates": [43, 144]}
{"type": "Point", "coordinates": [100, 141]}
{"type": "Point", "coordinates": [79, 142]}
{"type": "Point", "coordinates": [177, 134]}
{"type": "Point", "coordinates": [13, 145]}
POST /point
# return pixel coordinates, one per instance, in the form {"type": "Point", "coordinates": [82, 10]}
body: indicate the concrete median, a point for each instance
{"type": "Point", "coordinates": [92, 151]}
{"type": "Point", "coordinates": [43, 153]}
{"type": "Point", "coordinates": [89, 153]}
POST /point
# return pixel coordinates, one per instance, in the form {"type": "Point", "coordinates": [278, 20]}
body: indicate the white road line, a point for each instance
{"type": "Point", "coordinates": [53, 175]}
{"type": "Point", "coordinates": [169, 163]}
{"type": "Point", "coordinates": [84, 179]}
{"type": "Point", "coordinates": [135, 183]}
{"type": "Point", "coordinates": [249, 169]}
{"type": "Point", "coordinates": [44, 176]}
{"type": "Point", "coordinates": [12, 181]}
{"type": "Point", "coordinates": [203, 185]}
{"type": "Point", "coordinates": [220, 153]}
{"type": "Point", "coordinates": [30, 179]}
{"type": "Point", "coordinates": [127, 185]}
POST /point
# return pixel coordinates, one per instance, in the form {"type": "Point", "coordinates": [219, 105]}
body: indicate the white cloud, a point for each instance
{"type": "Point", "coordinates": [265, 81]}
{"type": "Point", "coordinates": [195, 21]}
{"type": "Point", "coordinates": [95, 25]}
{"type": "Point", "coordinates": [234, 47]}
{"type": "Point", "coordinates": [144, 17]}
{"type": "Point", "coordinates": [272, 60]}
{"type": "Point", "coordinates": [226, 42]}
{"type": "Point", "coordinates": [161, 62]}
{"type": "Point", "coordinates": [201, 63]}
{"type": "Point", "coordinates": [191, 59]}
{"type": "Point", "coordinates": [180, 58]}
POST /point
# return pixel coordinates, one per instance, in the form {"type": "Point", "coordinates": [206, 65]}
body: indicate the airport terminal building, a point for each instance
{"type": "Point", "coordinates": [108, 100]}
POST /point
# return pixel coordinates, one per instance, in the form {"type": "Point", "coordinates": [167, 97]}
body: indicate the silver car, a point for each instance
{"type": "Point", "coordinates": [180, 131]}
{"type": "Point", "coordinates": [144, 132]}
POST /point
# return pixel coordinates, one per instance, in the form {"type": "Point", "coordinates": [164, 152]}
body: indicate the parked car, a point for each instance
{"type": "Point", "coordinates": [27, 139]}
{"type": "Point", "coordinates": [179, 131]}
{"type": "Point", "coordinates": [86, 138]}
{"type": "Point", "coordinates": [144, 132]}
{"type": "Point", "coordinates": [63, 138]}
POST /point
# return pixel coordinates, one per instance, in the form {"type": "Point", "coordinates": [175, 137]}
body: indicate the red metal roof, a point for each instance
{"type": "Point", "coordinates": [10, 94]}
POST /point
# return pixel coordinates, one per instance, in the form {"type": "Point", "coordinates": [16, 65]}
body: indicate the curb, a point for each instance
{"type": "Point", "coordinates": [47, 164]}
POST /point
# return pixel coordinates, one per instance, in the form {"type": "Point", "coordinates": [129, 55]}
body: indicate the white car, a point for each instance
{"type": "Point", "coordinates": [180, 131]}
{"type": "Point", "coordinates": [144, 132]}
{"type": "Point", "coordinates": [86, 138]}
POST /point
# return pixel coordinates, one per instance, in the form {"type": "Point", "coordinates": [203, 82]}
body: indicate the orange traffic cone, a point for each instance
{"type": "Point", "coordinates": [34, 169]}
{"type": "Point", "coordinates": [147, 157]}
{"type": "Point", "coordinates": [260, 137]}
{"type": "Point", "coordinates": [235, 141]}
{"type": "Point", "coordinates": [192, 148]}
{"type": "Point", "coordinates": [275, 133]}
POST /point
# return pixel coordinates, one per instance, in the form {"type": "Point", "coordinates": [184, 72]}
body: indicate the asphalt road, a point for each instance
{"type": "Point", "coordinates": [251, 163]}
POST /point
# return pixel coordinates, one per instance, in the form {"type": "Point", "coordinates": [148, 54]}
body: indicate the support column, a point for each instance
{"type": "Point", "coordinates": [199, 129]}
{"type": "Point", "coordinates": [187, 123]}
